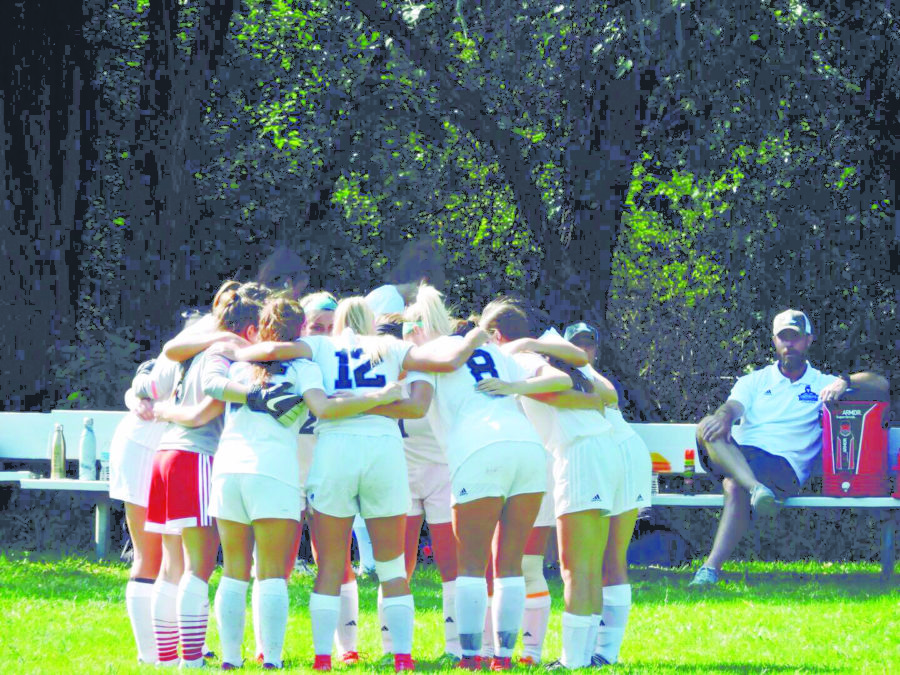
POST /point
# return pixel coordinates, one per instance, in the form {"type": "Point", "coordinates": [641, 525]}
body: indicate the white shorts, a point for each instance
{"type": "Point", "coordinates": [638, 473]}
{"type": "Point", "coordinates": [305, 452]}
{"type": "Point", "coordinates": [352, 473]}
{"type": "Point", "coordinates": [589, 475]}
{"type": "Point", "coordinates": [501, 470]}
{"type": "Point", "coordinates": [546, 516]}
{"type": "Point", "coordinates": [245, 497]}
{"type": "Point", "coordinates": [429, 488]}
{"type": "Point", "coordinates": [130, 468]}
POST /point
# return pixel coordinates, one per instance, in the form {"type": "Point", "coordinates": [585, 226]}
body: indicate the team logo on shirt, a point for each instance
{"type": "Point", "coordinates": [640, 498]}
{"type": "Point", "coordinates": [808, 395]}
{"type": "Point", "coordinates": [463, 492]}
{"type": "Point", "coordinates": [767, 392]}
{"type": "Point", "coordinates": [595, 498]}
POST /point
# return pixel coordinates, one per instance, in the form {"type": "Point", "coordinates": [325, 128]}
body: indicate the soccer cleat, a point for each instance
{"type": "Point", "coordinates": [403, 662]}
{"type": "Point", "coordinates": [762, 500]}
{"type": "Point", "coordinates": [501, 663]}
{"type": "Point", "coordinates": [350, 658]}
{"type": "Point", "coordinates": [556, 665]}
{"type": "Point", "coordinates": [469, 663]}
{"type": "Point", "coordinates": [598, 661]}
{"type": "Point", "coordinates": [230, 666]}
{"type": "Point", "coordinates": [322, 662]}
{"type": "Point", "coordinates": [528, 662]}
{"type": "Point", "coordinates": [207, 652]}
{"type": "Point", "coordinates": [271, 666]}
{"type": "Point", "coordinates": [447, 660]}
{"type": "Point", "coordinates": [704, 578]}
{"type": "Point", "coordinates": [260, 659]}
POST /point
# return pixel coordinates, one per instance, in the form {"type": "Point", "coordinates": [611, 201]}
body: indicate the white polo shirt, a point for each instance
{"type": "Point", "coordinates": [780, 416]}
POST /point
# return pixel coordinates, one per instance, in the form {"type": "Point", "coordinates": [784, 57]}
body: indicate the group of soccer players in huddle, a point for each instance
{"type": "Point", "coordinates": [269, 410]}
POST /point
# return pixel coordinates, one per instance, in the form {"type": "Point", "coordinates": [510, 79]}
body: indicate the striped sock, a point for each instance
{"type": "Point", "coordinates": [165, 621]}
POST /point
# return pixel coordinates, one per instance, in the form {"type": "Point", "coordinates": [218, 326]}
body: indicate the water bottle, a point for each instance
{"type": "Point", "coordinates": [87, 452]}
{"type": "Point", "coordinates": [58, 453]}
{"type": "Point", "coordinates": [689, 470]}
{"type": "Point", "coordinates": [104, 465]}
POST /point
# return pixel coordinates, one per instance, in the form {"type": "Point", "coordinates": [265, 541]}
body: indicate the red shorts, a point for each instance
{"type": "Point", "coordinates": [179, 492]}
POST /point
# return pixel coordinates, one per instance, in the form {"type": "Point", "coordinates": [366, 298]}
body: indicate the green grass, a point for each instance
{"type": "Point", "coordinates": [68, 616]}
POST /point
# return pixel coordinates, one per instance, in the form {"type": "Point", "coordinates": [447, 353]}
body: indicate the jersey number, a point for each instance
{"type": "Point", "coordinates": [309, 426]}
{"type": "Point", "coordinates": [361, 375]}
{"type": "Point", "coordinates": [481, 364]}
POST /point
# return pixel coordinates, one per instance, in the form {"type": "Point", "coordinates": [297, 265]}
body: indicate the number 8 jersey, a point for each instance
{"type": "Point", "coordinates": [466, 420]}
{"type": "Point", "coordinates": [347, 368]}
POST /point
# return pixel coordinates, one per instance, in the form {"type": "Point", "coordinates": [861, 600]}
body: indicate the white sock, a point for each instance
{"type": "Point", "coordinates": [575, 630]}
{"type": "Point", "coordinates": [487, 634]}
{"type": "Point", "coordinates": [451, 634]}
{"type": "Point", "coordinates": [387, 644]}
{"type": "Point", "coordinates": [164, 611]}
{"type": "Point", "coordinates": [616, 605]}
{"type": "Point", "coordinates": [399, 613]}
{"type": "Point", "coordinates": [138, 603]}
{"type": "Point", "coordinates": [273, 616]}
{"type": "Point", "coordinates": [471, 606]}
{"type": "Point", "coordinates": [348, 619]}
{"type": "Point", "coordinates": [230, 607]}
{"type": "Point", "coordinates": [254, 608]}
{"type": "Point", "coordinates": [193, 615]}
{"type": "Point", "coordinates": [323, 614]}
{"type": "Point", "coordinates": [509, 604]}
{"type": "Point", "coordinates": [534, 626]}
{"type": "Point", "coordinates": [592, 637]}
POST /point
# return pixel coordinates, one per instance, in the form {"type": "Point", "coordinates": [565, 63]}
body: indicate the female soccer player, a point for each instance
{"type": "Point", "coordinates": [256, 492]}
{"type": "Point", "coordinates": [359, 466]}
{"type": "Point", "coordinates": [498, 470]}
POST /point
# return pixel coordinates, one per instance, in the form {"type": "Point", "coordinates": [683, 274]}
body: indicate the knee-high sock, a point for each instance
{"type": "Point", "coordinates": [348, 619]}
{"type": "Point", "coordinates": [230, 608]}
{"type": "Point", "coordinates": [165, 621]}
{"type": "Point", "coordinates": [364, 545]}
{"type": "Point", "coordinates": [254, 608]}
{"type": "Point", "coordinates": [451, 632]}
{"type": "Point", "coordinates": [323, 614]}
{"type": "Point", "coordinates": [193, 615]}
{"type": "Point", "coordinates": [487, 635]}
{"type": "Point", "coordinates": [138, 603]}
{"type": "Point", "coordinates": [591, 642]}
{"type": "Point", "coordinates": [387, 643]}
{"type": "Point", "coordinates": [273, 616]}
{"type": "Point", "coordinates": [616, 606]}
{"type": "Point", "coordinates": [575, 630]}
{"type": "Point", "coordinates": [509, 605]}
{"type": "Point", "coordinates": [537, 607]}
{"type": "Point", "coordinates": [399, 613]}
{"type": "Point", "coordinates": [471, 606]}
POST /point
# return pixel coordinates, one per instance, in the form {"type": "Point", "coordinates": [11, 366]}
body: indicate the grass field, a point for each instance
{"type": "Point", "coordinates": [68, 616]}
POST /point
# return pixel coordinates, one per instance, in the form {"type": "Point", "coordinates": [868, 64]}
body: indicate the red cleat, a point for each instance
{"type": "Point", "coordinates": [528, 662]}
{"type": "Point", "coordinates": [350, 658]}
{"type": "Point", "coordinates": [403, 662]}
{"type": "Point", "coordinates": [260, 659]}
{"type": "Point", "coordinates": [469, 663]}
{"type": "Point", "coordinates": [501, 663]}
{"type": "Point", "coordinates": [322, 662]}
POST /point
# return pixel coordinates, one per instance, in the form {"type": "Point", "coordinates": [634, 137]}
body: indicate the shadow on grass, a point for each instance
{"type": "Point", "coordinates": [747, 667]}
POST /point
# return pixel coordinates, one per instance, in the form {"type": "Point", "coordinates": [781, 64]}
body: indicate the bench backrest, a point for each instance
{"type": "Point", "coordinates": [26, 436]}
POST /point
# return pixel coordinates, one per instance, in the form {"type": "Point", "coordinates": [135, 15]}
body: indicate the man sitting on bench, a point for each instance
{"type": "Point", "coordinates": [770, 453]}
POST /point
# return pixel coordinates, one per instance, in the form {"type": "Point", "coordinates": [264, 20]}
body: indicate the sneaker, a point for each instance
{"type": "Point", "coordinates": [704, 577]}
{"type": "Point", "coordinates": [447, 660]}
{"type": "Point", "coordinates": [230, 666]}
{"type": "Point", "coordinates": [598, 660]}
{"type": "Point", "coordinates": [469, 663]}
{"type": "Point", "coordinates": [501, 663]}
{"type": "Point", "coordinates": [271, 666]}
{"type": "Point", "coordinates": [529, 662]}
{"type": "Point", "coordinates": [403, 662]}
{"type": "Point", "coordinates": [350, 658]}
{"type": "Point", "coordinates": [762, 501]}
{"type": "Point", "coordinates": [322, 662]}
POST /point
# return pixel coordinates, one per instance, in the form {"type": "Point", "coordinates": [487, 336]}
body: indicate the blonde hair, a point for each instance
{"type": "Point", "coordinates": [280, 320]}
{"type": "Point", "coordinates": [354, 313]}
{"type": "Point", "coordinates": [429, 308]}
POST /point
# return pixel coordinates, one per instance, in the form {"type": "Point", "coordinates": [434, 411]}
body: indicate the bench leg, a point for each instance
{"type": "Point", "coordinates": [888, 530]}
{"type": "Point", "coordinates": [101, 527]}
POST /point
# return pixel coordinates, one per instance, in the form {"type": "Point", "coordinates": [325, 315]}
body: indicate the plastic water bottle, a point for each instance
{"type": "Point", "coordinates": [104, 465]}
{"type": "Point", "coordinates": [58, 453]}
{"type": "Point", "coordinates": [87, 452]}
{"type": "Point", "coordinates": [689, 470]}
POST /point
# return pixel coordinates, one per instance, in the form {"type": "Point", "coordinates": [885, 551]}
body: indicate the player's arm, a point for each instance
{"type": "Point", "coordinates": [187, 344]}
{"type": "Point", "coordinates": [550, 346]}
{"type": "Point", "coordinates": [546, 379]}
{"type": "Point", "coordinates": [718, 425]}
{"type": "Point", "coordinates": [189, 416]}
{"type": "Point", "coordinates": [601, 396]}
{"type": "Point", "coordinates": [444, 357]}
{"type": "Point", "coordinates": [270, 351]}
{"type": "Point", "coordinates": [348, 405]}
{"type": "Point", "coordinates": [142, 407]}
{"type": "Point", "coordinates": [411, 407]}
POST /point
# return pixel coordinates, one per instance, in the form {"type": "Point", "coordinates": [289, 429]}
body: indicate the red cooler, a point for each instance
{"type": "Point", "coordinates": [854, 449]}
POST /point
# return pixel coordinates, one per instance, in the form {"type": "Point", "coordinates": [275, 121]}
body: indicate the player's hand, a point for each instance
{"type": "Point", "coordinates": [496, 387]}
{"type": "Point", "coordinates": [390, 393]}
{"type": "Point", "coordinates": [833, 391]}
{"type": "Point", "coordinates": [479, 335]}
{"type": "Point", "coordinates": [278, 401]}
{"type": "Point", "coordinates": [714, 428]}
{"type": "Point", "coordinates": [518, 346]}
{"type": "Point", "coordinates": [160, 411]}
{"type": "Point", "coordinates": [144, 410]}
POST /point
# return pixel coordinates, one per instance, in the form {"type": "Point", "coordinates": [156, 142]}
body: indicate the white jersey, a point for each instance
{"type": "Point", "coordinates": [156, 385]}
{"type": "Point", "coordinates": [559, 427]}
{"type": "Point", "coordinates": [256, 443]}
{"type": "Point", "coordinates": [621, 430]}
{"type": "Point", "coordinates": [466, 419]}
{"type": "Point", "coordinates": [347, 368]}
{"type": "Point", "coordinates": [419, 441]}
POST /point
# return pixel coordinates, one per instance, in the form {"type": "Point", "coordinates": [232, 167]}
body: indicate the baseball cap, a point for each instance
{"type": "Point", "coordinates": [581, 327]}
{"type": "Point", "coordinates": [792, 319]}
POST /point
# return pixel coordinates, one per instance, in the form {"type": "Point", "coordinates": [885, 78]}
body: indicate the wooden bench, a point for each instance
{"type": "Point", "coordinates": [667, 443]}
